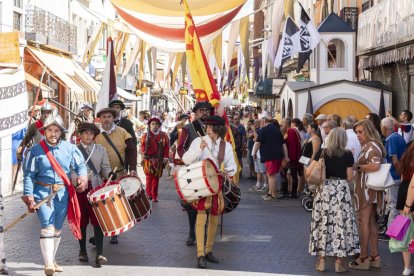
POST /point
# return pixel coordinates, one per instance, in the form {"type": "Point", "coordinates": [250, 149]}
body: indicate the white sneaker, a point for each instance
{"type": "Point", "coordinates": [407, 271]}
{"type": "Point", "coordinates": [254, 188]}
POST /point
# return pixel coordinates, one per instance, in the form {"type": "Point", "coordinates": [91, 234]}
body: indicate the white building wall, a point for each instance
{"type": "Point", "coordinates": [323, 74]}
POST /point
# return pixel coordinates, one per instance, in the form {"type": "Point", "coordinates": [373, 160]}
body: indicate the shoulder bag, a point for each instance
{"type": "Point", "coordinates": [316, 173]}
{"type": "Point", "coordinates": [380, 179]}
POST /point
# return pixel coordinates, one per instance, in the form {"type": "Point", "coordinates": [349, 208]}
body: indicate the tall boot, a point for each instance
{"type": "Point", "coordinates": [56, 241]}
{"type": "Point", "coordinates": [47, 246]}
{"type": "Point", "coordinates": [83, 254]}
{"type": "Point", "coordinates": [100, 259]}
{"type": "Point", "coordinates": [192, 217]}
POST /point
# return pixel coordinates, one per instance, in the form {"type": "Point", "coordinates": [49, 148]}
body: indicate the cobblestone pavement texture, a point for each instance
{"type": "Point", "coordinates": [259, 238]}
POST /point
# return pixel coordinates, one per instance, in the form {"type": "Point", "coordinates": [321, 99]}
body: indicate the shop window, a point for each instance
{"type": "Point", "coordinates": [336, 54]}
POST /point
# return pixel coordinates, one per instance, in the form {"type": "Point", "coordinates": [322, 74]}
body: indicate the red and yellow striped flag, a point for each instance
{"type": "Point", "coordinates": [204, 87]}
{"type": "Point", "coordinates": [202, 80]}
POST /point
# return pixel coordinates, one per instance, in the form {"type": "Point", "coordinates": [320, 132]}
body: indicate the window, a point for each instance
{"type": "Point", "coordinates": [336, 54]}
{"type": "Point", "coordinates": [17, 19]}
{"type": "Point", "coordinates": [18, 3]}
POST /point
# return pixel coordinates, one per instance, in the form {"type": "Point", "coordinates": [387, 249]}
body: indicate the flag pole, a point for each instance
{"type": "Point", "coordinates": [324, 43]}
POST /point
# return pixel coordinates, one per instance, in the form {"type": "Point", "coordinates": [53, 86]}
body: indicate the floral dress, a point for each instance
{"type": "Point", "coordinates": [334, 232]}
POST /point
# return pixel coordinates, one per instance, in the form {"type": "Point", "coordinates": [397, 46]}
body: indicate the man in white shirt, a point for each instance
{"type": "Point", "coordinates": [211, 146]}
{"type": "Point", "coordinates": [353, 143]}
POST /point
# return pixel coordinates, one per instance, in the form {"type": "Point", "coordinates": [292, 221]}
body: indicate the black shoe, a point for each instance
{"type": "Point", "coordinates": [92, 240]}
{"type": "Point", "coordinates": [83, 256]}
{"type": "Point", "coordinates": [114, 240]}
{"type": "Point", "coordinates": [190, 241]}
{"type": "Point", "coordinates": [211, 258]}
{"type": "Point", "coordinates": [201, 262]}
{"type": "Point", "coordinates": [100, 260]}
{"type": "Point", "coordinates": [293, 196]}
{"type": "Point", "coordinates": [383, 237]}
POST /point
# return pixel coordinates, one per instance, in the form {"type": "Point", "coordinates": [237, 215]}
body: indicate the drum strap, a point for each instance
{"type": "Point", "coordinates": [114, 148]}
{"type": "Point", "coordinates": [222, 149]}
{"type": "Point", "coordinates": [85, 155]}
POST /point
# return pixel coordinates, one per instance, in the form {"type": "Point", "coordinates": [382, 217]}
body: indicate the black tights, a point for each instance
{"type": "Point", "coordinates": [98, 240]}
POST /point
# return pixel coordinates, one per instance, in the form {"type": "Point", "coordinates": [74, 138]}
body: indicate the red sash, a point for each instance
{"type": "Point", "coordinates": [73, 205]}
{"type": "Point", "coordinates": [39, 125]}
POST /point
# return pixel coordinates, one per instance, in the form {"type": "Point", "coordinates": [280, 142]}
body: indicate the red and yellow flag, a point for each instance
{"type": "Point", "coordinates": [202, 80]}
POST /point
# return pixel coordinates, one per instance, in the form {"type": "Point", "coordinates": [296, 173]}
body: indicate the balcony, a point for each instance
{"type": "Point", "coordinates": [385, 26]}
{"type": "Point", "coordinates": [45, 28]}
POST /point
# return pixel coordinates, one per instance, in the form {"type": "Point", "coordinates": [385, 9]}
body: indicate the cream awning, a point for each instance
{"type": "Point", "coordinates": [82, 86]}
{"type": "Point", "coordinates": [35, 82]}
{"type": "Point", "coordinates": [127, 96]}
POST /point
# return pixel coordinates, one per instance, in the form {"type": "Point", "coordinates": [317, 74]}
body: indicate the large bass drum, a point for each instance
{"type": "Point", "coordinates": [232, 196]}
{"type": "Point", "coordinates": [137, 197]}
{"type": "Point", "coordinates": [198, 180]}
{"type": "Point", "coordinates": [111, 209]}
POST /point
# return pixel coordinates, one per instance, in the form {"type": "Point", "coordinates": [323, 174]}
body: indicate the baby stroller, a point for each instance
{"type": "Point", "coordinates": [307, 198]}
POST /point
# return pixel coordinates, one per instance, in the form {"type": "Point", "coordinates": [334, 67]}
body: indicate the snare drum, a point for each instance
{"type": "Point", "coordinates": [111, 208]}
{"type": "Point", "coordinates": [137, 197]}
{"type": "Point", "coordinates": [197, 180]}
{"type": "Point", "coordinates": [232, 196]}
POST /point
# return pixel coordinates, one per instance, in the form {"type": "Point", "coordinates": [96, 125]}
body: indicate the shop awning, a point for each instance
{"type": "Point", "coordinates": [264, 89]}
{"type": "Point", "coordinates": [126, 95]}
{"type": "Point", "coordinates": [35, 82]}
{"type": "Point", "coordinates": [82, 86]}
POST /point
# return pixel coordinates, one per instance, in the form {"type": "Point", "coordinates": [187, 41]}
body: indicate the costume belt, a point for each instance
{"type": "Point", "coordinates": [55, 187]}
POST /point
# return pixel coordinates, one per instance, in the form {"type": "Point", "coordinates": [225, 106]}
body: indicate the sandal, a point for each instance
{"type": "Point", "coordinates": [375, 261]}
{"type": "Point", "coordinates": [339, 267]}
{"type": "Point", "coordinates": [320, 265]}
{"type": "Point", "coordinates": [360, 263]}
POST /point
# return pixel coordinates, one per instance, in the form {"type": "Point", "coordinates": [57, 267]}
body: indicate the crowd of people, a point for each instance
{"type": "Point", "coordinates": [279, 153]}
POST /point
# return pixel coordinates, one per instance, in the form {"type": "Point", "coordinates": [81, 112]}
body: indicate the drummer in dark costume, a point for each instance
{"type": "Point", "coordinates": [98, 165]}
{"type": "Point", "coordinates": [210, 146]}
{"type": "Point", "coordinates": [188, 133]}
{"type": "Point", "coordinates": [123, 121]}
{"type": "Point", "coordinates": [42, 177]}
{"type": "Point", "coordinates": [121, 149]}
{"type": "Point", "coordinates": [155, 149]}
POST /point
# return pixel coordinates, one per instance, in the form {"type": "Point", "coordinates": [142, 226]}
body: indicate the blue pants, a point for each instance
{"type": "Point", "coordinates": [53, 213]}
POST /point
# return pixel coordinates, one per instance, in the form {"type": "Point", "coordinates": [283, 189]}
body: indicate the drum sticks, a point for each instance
{"type": "Point", "coordinates": [110, 177]}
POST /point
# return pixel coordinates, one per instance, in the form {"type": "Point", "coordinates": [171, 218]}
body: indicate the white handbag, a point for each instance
{"type": "Point", "coordinates": [381, 179]}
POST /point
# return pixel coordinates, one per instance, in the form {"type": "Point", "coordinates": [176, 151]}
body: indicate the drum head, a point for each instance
{"type": "Point", "coordinates": [130, 185]}
{"type": "Point", "coordinates": [212, 174]}
{"type": "Point", "coordinates": [101, 193]}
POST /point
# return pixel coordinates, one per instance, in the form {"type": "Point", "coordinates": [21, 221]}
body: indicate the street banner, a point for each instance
{"type": "Point", "coordinates": [108, 88]}
{"type": "Point", "coordinates": [289, 45]}
{"type": "Point", "coordinates": [202, 79]}
{"type": "Point", "coordinates": [309, 38]}
{"type": "Point", "coordinates": [13, 99]}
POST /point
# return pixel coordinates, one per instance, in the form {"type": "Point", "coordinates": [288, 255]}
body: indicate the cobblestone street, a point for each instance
{"type": "Point", "coordinates": [258, 237]}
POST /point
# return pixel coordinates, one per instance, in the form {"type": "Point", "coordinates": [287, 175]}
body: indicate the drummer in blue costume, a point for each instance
{"type": "Point", "coordinates": [40, 180]}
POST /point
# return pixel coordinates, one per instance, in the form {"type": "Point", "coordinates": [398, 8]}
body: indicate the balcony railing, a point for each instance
{"type": "Point", "coordinates": [386, 24]}
{"type": "Point", "coordinates": [45, 27]}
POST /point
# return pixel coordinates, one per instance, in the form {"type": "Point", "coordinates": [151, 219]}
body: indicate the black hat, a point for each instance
{"type": "Point", "coordinates": [214, 121]}
{"type": "Point", "coordinates": [183, 116]}
{"type": "Point", "coordinates": [118, 102]}
{"type": "Point", "coordinates": [88, 126]}
{"type": "Point", "coordinates": [205, 104]}
{"type": "Point", "coordinates": [106, 110]}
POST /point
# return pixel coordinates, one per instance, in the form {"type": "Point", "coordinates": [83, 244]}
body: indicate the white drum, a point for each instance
{"type": "Point", "coordinates": [197, 180]}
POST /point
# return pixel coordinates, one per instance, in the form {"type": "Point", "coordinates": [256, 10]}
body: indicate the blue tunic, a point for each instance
{"type": "Point", "coordinates": [38, 168]}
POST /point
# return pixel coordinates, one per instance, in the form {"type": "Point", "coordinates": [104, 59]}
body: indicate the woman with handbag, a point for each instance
{"type": "Point", "coordinates": [367, 201]}
{"type": "Point", "coordinates": [312, 146]}
{"type": "Point", "coordinates": [405, 198]}
{"type": "Point", "coordinates": [334, 232]}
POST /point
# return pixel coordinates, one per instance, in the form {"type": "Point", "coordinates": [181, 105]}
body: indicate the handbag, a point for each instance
{"type": "Point", "coordinates": [402, 245]}
{"type": "Point", "coordinates": [316, 173]}
{"type": "Point", "coordinates": [380, 179]}
{"type": "Point", "coordinates": [398, 227]}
